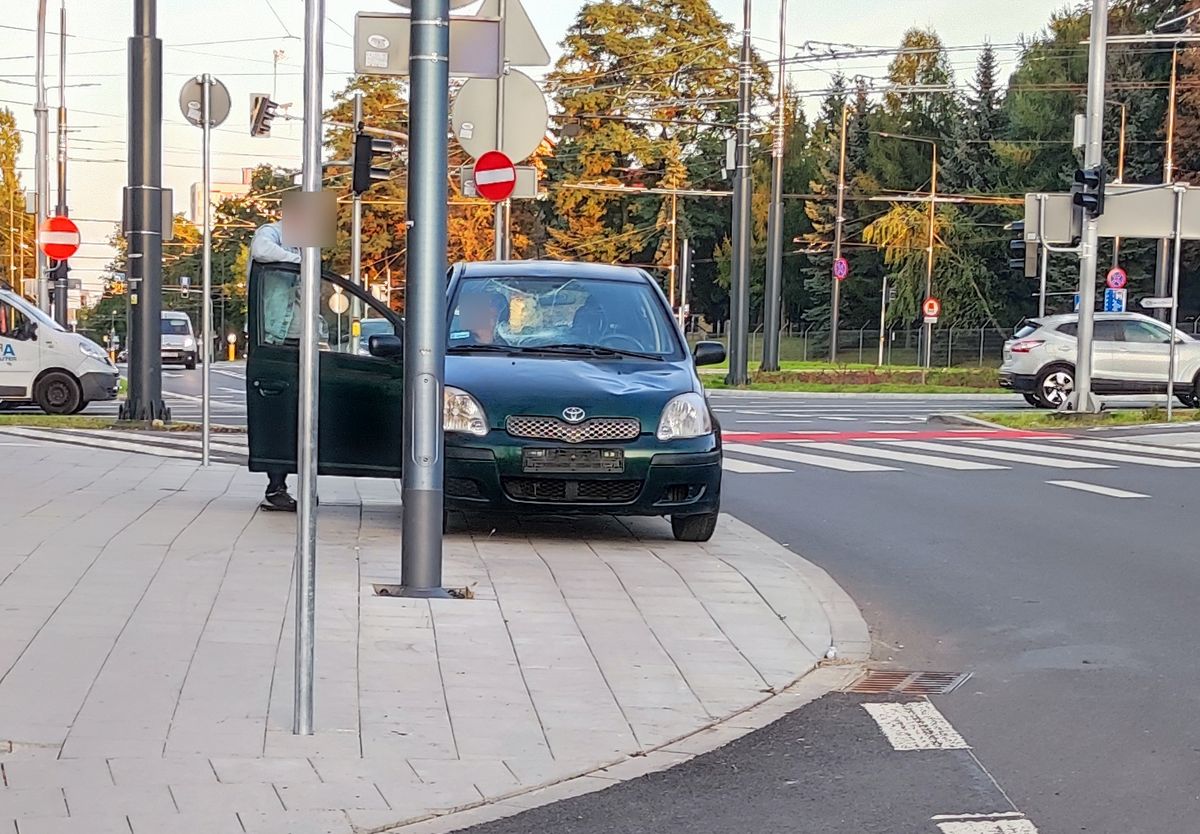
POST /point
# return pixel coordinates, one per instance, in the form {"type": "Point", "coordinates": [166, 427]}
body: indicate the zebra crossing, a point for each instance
{"type": "Point", "coordinates": [969, 451]}
{"type": "Point", "coordinates": [223, 448]}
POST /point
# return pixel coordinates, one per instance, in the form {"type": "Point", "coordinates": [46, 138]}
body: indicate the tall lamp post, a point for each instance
{"type": "Point", "coordinates": [932, 223]}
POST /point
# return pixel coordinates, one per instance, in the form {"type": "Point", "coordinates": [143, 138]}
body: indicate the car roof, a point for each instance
{"type": "Point", "coordinates": [1064, 318]}
{"type": "Point", "coordinates": [552, 269]}
{"type": "Point", "coordinates": [175, 314]}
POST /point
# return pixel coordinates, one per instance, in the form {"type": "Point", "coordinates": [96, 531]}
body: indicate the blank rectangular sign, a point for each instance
{"type": "Point", "coordinates": [382, 45]}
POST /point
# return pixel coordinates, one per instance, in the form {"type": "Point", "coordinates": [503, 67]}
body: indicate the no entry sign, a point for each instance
{"type": "Point", "coordinates": [495, 176]}
{"type": "Point", "coordinates": [59, 238]}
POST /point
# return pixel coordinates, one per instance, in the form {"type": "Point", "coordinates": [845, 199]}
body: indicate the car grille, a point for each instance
{"type": "Point", "coordinates": [557, 491]}
{"type": "Point", "coordinates": [597, 429]}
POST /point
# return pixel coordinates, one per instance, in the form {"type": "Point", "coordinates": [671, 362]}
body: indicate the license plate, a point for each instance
{"type": "Point", "coordinates": [573, 460]}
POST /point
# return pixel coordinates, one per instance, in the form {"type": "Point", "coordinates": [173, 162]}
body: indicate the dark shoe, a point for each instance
{"type": "Point", "coordinates": [279, 501]}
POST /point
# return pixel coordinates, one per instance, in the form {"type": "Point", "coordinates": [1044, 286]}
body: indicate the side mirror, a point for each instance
{"type": "Point", "coordinates": [709, 353]}
{"type": "Point", "coordinates": [386, 346]}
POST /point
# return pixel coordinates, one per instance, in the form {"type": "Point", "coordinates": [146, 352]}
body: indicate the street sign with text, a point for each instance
{"type": "Point", "coordinates": [1156, 303]}
{"type": "Point", "coordinates": [1114, 300]}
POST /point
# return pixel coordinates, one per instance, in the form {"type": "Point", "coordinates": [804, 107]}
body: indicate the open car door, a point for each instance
{"type": "Point", "coordinates": [361, 398]}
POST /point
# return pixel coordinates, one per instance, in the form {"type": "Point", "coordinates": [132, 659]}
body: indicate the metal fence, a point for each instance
{"type": "Point", "coordinates": [953, 347]}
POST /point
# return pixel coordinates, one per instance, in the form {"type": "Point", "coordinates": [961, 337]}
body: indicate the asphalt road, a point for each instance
{"type": "Point", "coordinates": [182, 391]}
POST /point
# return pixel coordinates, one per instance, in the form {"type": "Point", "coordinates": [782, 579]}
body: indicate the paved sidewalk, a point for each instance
{"type": "Point", "coordinates": [146, 652]}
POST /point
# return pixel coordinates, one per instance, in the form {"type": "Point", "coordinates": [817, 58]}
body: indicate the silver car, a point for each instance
{"type": "Point", "coordinates": [1131, 355]}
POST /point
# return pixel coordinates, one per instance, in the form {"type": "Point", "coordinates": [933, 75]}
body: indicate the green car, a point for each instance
{"type": "Point", "coordinates": [569, 389]}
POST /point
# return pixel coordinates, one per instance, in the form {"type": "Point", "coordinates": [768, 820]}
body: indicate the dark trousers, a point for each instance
{"type": "Point", "coordinates": [276, 481]}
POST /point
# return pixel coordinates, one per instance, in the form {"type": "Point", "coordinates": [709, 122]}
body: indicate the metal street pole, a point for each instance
{"type": "Point", "coordinates": [835, 306]}
{"type": "Point", "coordinates": [501, 220]}
{"type": "Point", "coordinates": [206, 270]}
{"type": "Point", "coordinates": [425, 335]}
{"type": "Point", "coordinates": [41, 160]}
{"type": "Point", "coordinates": [1116, 258]}
{"type": "Point", "coordinates": [773, 291]}
{"type": "Point", "coordinates": [307, 436]}
{"type": "Point", "coordinates": [685, 279]}
{"type": "Point", "coordinates": [739, 289]}
{"type": "Point", "coordinates": [61, 268]}
{"type": "Point", "coordinates": [143, 222]}
{"type": "Point", "coordinates": [356, 311]}
{"type": "Point", "coordinates": [1081, 399]}
{"type": "Point", "coordinates": [929, 260]}
{"type": "Point", "coordinates": [1162, 262]}
{"type": "Point", "coordinates": [1044, 273]}
{"type": "Point", "coordinates": [1180, 190]}
{"type": "Point", "coordinates": [883, 319]}
{"type": "Point", "coordinates": [671, 281]}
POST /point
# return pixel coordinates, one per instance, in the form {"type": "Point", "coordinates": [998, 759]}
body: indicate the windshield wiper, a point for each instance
{"type": "Point", "coordinates": [482, 349]}
{"type": "Point", "coordinates": [596, 350]}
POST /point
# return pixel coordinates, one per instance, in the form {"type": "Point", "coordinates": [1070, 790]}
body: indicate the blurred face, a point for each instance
{"type": "Point", "coordinates": [480, 316]}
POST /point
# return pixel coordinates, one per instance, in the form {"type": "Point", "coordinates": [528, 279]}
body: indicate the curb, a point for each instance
{"type": "Point", "coordinates": [850, 636]}
{"type": "Point", "coordinates": [829, 395]}
{"type": "Point", "coordinates": [964, 420]}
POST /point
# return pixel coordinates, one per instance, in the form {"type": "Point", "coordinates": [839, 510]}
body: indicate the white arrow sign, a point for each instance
{"type": "Point", "coordinates": [1157, 303]}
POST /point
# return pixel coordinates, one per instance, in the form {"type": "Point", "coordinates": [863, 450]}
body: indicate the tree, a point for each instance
{"type": "Point", "coordinates": [16, 247]}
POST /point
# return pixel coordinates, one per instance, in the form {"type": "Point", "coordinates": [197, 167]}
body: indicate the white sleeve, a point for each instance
{"type": "Point", "coordinates": [266, 246]}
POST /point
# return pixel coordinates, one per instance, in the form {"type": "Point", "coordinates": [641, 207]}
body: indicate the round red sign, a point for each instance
{"type": "Point", "coordinates": [932, 308]}
{"type": "Point", "coordinates": [495, 176]}
{"type": "Point", "coordinates": [59, 238]}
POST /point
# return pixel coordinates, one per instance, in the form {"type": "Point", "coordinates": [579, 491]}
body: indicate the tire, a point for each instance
{"type": "Point", "coordinates": [58, 393]}
{"type": "Point", "coordinates": [82, 405]}
{"type": "Point", "coordinates": [1033, 400]}
{"type": "Point", "coordinates": [191, 366]}
{"type": "Point", "coordinates": [694, 528]}
{"type": "Point", "coordinates": [1187, 400]}
{"type": "Point", "coordinates": [1054, 385]}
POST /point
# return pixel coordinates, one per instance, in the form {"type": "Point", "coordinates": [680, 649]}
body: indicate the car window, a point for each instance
{"type": "Point", "coordinates": [176, 327]}
{"type": "Point", "coordinates": [1069, 328]}
{"type": "Point", "coordinates": [1027, 329]}
{"type": "Point", "coordinates": [553, 310]}
{"type": "Point", "coordinates": [1145, 333]}
{"type": "Point", "coordinates": [1107, 331]}
{"type": "Point", "coordinates": [279, 310]}
{"type": "Point", "coordinates": [14, 324]}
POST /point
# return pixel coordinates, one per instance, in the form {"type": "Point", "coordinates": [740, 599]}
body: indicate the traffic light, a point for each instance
{"type": "Point", "coordinates": [366, 172]}
{"type": "Point", "coordinates": [1023, 255]}
{"type": "Point", "coordinates": [1089, 190]}
{"type": "Point", "coordinates": [262, 113]}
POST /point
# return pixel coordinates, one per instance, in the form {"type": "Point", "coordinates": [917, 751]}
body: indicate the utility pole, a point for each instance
{"type": "Point", "coordinates": [1093, 157]}
{"type": "Point", "coordinates": [1116, 259]}
{"type": "Point", "coordinates": [61, 268]}
{"type": "Point", "coordinates": [356, 311]}
{"type": "Point", "coordinates": [773, 291]}
{"type": "Point", "coordinates": [839, 225]}
{"type": "Point", "coordinates": [144, 219]}
{"type": "Point", "coordinates": [883, 298]}
{"type": "Point", "coordinates": [1162, 267]}
{"type": "Point", "coordinates": [685, 280]}
{"type": "Point", "coordinates": [425, 335]}
{"type": "Point", "coordinates": [501, 220]}
{"type": "Point", "coordinates": [671, 280]}
{"type": "Point", "coordinates": [739, 285]}
{"type": "Point", "coordinates": [42, 160]}
{"type": "Point", "coordinates": [929, 259]}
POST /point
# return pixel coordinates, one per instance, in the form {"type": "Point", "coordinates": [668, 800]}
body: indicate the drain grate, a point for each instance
{"type": "Point", "coordinates": [895, 681]}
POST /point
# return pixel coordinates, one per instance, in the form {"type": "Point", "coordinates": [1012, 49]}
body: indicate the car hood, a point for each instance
{"type": "Point", "coordinates": [507, 385]}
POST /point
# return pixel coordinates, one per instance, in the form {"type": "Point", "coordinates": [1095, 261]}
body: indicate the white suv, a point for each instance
{"type": "Point", "coordinates": [1130, 355]}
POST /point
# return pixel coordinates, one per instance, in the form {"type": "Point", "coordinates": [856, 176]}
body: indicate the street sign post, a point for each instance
{"type": "Point", "coordinates": [205, 103]}
{"type": "Point", "coordinates": [841, 269]}
{"type": "Point", "coordinates": [495, 176]}
{"type": "Point", "coordinates": [59, 238]}
{"type": "Point", "coordinates": [1116, 279]}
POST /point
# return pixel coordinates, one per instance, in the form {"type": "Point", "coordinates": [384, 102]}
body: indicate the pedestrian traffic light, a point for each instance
{"type": "Point", "coordinates": [1023, 254]}
{"type": "Point", "coordinates": [1089, 190]}
{"type": "Point", "coordinates": [366, 172]}
{"type": "Point", "coordinates": [262, 113]}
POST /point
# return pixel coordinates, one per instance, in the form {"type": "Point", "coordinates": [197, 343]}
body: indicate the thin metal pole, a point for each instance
{"type": "Point", "coordinates": [1180, 191]}
{"type": "Point", "coordinates": [61, 268]}
{"type": "Point", "coordinates": [739, 301]}
{"type": "Point", "coordinates": [671, 279]}
{"type": "Point", "coordinates": [839, 224]}
{"type": "Point", "coordinates": [356, 311]}
{"type": "Point", "coordinates": [1081, 399]}
{"type": "Point", "coordinates": [1045, 270]}
{"type": "Point", "coordinates": [1161, 276]}
{"type": "Point", "coordinates": [1116, 258]}
{"type": "Point", "coordinates": [685, 278]}
{"type": "Point", "coordinates": [425, 334]}
{"type": "Point", "coordinates": [206, 271]}
{"type": "Point", "coordinates": [773, 291]}
{"type": "Point", "coordinates": [501, 218]}
{"type": "Point", "coordinates": [310, 301]}
{"type": "Point", "coordinates": [929, 260]}
{"type": "Point", "coordinates": [41, 160]}
{"type": "Point", "coordinates": [883, 319]}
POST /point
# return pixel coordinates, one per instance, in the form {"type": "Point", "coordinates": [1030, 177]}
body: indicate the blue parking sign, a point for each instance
{"type": "Point", "coordinates": [1114, 300]}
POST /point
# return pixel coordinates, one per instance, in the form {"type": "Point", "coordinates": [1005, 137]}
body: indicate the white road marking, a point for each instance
{"type": "Point", "coordinates": [1110, 457]}
{"type": "Point", "coordinates": [780, 422]}
{"type": "Point", "coordinates": [1005, 826]}
{"type": "Point", "coordinates": [901, 457]}
{"type": "Point", "coordinates": [916, 725]}
{"type": "Point", "coordinates": [993, 454]}
{"type": "Point", "coordinates": [218, 442]}
{"type": "Point", "coordinates": [775, 453]}
{"type": "Point", "coordinates": [745, 467]}
{"type": "Point", "coordinates": [1097, 489]}
{"type": "Point", "coordinates": [114, 445]}
{"type": "Point", "coordinates": [1140, 448]}
{"type": "Point", "coordinates": [1001, 815]}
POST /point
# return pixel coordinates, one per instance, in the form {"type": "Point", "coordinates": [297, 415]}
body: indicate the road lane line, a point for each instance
{"type": "Point", "coordinates": [1109, 457]}
{"type": "Point", "coordinates": [999, 826]}
{"type": "Point", "coordinates": [774, 453]}
{"type": "Point", "coordinates": [992, 454]}
{"type": "Point", "coordinates": [1140, 448]}
{"type": "Point", "coordinates": [745, 467]}
{"type": "Point", "coordinates": [1097, 489]}
{"type": "Point", "coordinates": [916, 725]}
{"type": "Point", "coordinates": [94, 443]}
{"type": "Point", "coordinates": [901, 457]}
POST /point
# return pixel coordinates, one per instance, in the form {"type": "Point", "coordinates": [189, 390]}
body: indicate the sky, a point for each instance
{"type": "Point", "coordinates": [237, 42]}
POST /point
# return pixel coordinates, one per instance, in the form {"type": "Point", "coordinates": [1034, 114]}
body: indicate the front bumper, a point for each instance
{"type": "Point", "coordinates": [680, 477]}
{"type": "Point", "coordinates": [1021, 383]}
{"type": "Point", "coordinates": [99, 385]}
{"type": "Point", "coordinates": [186, 357]}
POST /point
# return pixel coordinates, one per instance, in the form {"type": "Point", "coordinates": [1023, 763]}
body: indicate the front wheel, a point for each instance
{"type": "Point", "coordinates": [1032, 400]}
{"type": "Point", "coordinates": [82, 405]}
{"type": "Point", "coordinates": [694, 528]}
{"type": "Point", "coordinates": [1055, 385]}
{"type": "Point", "coordinates": [58, 393]}
{"type": "Point", "coordinates": [1188, 400]}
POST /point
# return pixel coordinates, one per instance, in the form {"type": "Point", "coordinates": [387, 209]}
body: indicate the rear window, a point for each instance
{"type": "Point", "coordinates": [1027, 328]}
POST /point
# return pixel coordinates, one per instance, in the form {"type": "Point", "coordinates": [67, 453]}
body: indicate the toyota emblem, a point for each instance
{"type": "Point", "coordinates": [574, 414]}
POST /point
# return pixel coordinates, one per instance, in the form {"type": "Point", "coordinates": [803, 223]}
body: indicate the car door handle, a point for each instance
{"type": "Point", "coordinates": [271, 389]}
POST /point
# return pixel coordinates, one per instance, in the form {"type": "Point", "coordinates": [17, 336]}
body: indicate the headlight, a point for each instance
{"type": "Point", "coordinates": [462, 413]}
{"type": "Point", "coordinates": [188, 342]}
{"type": "Point", "coordinates": [92, 352]}
{"type": "Point", "coordinates": [685, 416]}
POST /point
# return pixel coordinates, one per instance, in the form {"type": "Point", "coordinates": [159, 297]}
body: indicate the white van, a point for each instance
{"type": "Point", "coordinates": [178, 339]}
{"type": "Point", "coordinates": [41, 362]}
